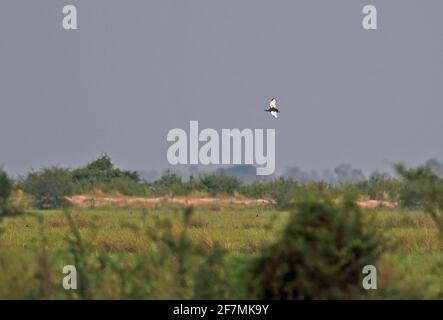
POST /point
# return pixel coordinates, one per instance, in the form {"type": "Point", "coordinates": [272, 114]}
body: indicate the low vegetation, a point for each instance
{"type": "Point", "coordinates": [311, 242]}
{"type": "Point", "coordinates": [320, 253]}
{"type": "Point", "coordinates": [7, 206]}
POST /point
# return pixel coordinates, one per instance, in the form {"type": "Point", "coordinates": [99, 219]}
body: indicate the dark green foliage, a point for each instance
{"type": "Point", "coordinates": [49, 187]}
{"type": "Point", "coordinates": [219, 184]}
{"type": "Point", "coordinates": [213, 271]}
{"type": "Point", "coordinates": [100, 172]}
{"type": "Point", "coordinates": [280, 190]}
{"type": "Point", "coordinates": [424, 189]}
{"type": "Point", "coordinates": [379, 187]}
{"type": "Point", "coordinates": [6, 188]}
{"type": "Point", "coordinates": [125, 186]}
{"type": "Point", "coordinates": [101, 164]}
{"type": "Point", "coordinates": [170, 184]}
{"type": "Point", "coordinates": [320, 255]}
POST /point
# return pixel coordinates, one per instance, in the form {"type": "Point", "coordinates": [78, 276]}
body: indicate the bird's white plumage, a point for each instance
{"type": "Point", "coordinates": [273, 103]}
{"type": "Point", "coordinates": [274, 114]}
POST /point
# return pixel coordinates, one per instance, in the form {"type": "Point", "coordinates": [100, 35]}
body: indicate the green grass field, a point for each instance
{"type": "Point", "coordinates": [123, 258]}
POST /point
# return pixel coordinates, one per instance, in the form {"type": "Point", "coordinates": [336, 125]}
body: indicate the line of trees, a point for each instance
{"type": "Point", "coordinates": [49, 186]}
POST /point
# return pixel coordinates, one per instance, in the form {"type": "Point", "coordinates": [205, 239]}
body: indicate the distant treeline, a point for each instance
{"type": "Point", "coordinates": [49, 186]}
{"type": "Point", "coordinates": [343, 173]}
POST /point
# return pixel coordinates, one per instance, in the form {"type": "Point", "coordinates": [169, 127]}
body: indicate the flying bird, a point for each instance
{"type": "Point", "coordinates": [273, 108]}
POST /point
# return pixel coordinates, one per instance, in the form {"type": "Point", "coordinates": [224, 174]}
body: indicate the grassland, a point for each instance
{"type": "Point", "coordinates": [120, 241]}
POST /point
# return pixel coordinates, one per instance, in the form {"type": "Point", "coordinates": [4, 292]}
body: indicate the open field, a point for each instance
{"type": "Point", "coordinates": [37, 245]}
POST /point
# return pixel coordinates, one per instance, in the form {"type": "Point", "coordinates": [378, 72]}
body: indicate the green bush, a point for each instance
{"type": "Point", "coordinates": [320, 255]}
{"type": "Point", "coordinates": [49, 187]}
{"type": "Point", "coordinates": [5, 192]}
{"type": "Point", "coordinates": [219, 184]}
{"type": "Point", "coordinates": [6, 188]}
{"type": "Point", "coordinates": [125, 186]}
{"type": "Point", "coordinates": [100, 172]}
{"type": "Point", "coordinates": [379, 188]}
{"type": "Point", "coordinates": [170, 183]}
{"type": "Point", "coordinates": [280, 190]}
{"type": "Point", "coordinates": [424, 189]}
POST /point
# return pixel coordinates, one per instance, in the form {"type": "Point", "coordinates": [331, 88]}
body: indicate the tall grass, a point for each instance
{"type": "Point", "coordinates": [172, 253]}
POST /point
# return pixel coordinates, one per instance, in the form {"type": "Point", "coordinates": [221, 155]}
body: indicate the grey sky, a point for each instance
{"type": "Point", "coordinates": [136, 69]}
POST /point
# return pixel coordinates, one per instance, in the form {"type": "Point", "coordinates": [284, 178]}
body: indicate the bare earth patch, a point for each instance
{"type": "Point", "coordinates": [372, 204]}
{"type": "Point", "coordinates": [88, 201]}
{"type": "Point", "coordinates": [85, 201]}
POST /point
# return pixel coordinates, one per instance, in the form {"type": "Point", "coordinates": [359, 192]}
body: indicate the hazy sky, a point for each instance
{"type": "Point", "coordinates": [136, 69]}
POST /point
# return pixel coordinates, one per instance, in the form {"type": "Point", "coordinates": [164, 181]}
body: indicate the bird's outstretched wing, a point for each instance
{"type": "Point", "coordinates": [273, 103]}
{"type": "Point", "coordinates": [274, 114]}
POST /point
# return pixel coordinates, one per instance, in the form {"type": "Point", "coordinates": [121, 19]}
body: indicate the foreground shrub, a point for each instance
{"type": "Point", "coordinates": [7, 207]}
{"type": "Point", "coordinates": [173, 268]}
{"type": "Point", "coordinates": [5, 186]}
{"type": "Point", "coordinates": [320, 255]}
{"type": "Point", "coordinates": [5, 192]}
{"type": "Point", "coordinates": [424, 189]}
